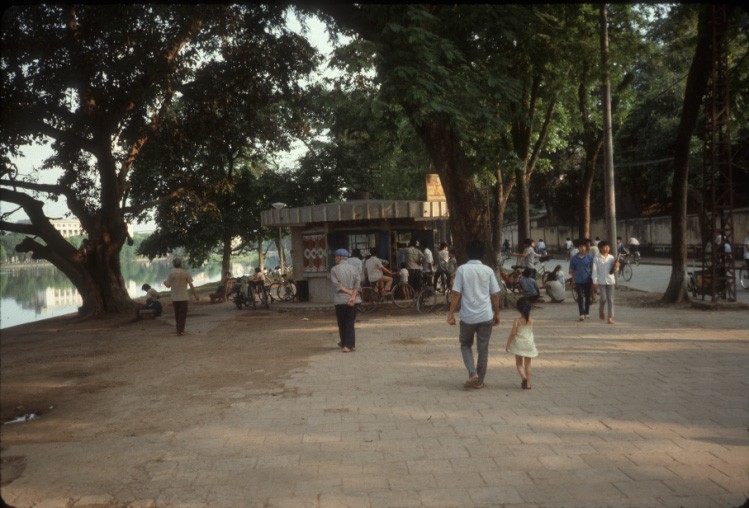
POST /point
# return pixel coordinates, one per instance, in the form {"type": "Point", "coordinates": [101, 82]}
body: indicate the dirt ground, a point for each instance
{"type": "Point", "coordinates": [90, 377]}
{"type": "Point", "coordinates": [123, 378]}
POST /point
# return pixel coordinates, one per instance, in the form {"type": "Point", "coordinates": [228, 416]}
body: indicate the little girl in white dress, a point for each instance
{"type": "Point", "coordinates": [521, 343]}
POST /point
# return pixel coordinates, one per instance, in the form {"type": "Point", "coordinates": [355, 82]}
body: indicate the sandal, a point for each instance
{"type": "Point", "coordinates": [482, 385]}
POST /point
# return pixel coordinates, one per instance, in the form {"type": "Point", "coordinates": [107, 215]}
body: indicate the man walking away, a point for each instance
{"type": "Point", "coordinates": [477, 290]}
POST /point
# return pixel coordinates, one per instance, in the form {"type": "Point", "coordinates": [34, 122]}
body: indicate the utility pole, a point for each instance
{"type": "Point", "coordinates": [608, 145]}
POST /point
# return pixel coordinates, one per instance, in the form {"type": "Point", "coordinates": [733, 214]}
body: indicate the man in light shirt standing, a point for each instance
{"type": "Point", "coordinates": [178, 281]}
{"type": "Point", "coordinates": [346, 280]}
{"type": "Point", "coordinates": [477, 290]}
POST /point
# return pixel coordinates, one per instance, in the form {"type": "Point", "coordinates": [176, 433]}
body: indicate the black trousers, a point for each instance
{"type": "Point", "coordinates": [346, 316]}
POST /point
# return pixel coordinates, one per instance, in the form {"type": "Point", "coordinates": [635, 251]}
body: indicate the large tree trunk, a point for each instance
{"type": "Point", "coordinates": [97, 276]}
{"type": "Point", "coordinates": [469, 210]}
{"type": "Point", "coordinates": [697, 79]}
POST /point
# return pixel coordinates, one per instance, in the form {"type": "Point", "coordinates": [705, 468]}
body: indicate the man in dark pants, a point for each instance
{"type": "Point", "coordinates": [581, 270]}
{"type": "Point", "coordinates": [346, 281]}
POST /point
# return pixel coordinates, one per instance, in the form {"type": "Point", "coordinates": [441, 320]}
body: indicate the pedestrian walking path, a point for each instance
{"type": "Point", "coordinates": [650, 412]}
{"type": "Point", "coordinates": [647, 413]}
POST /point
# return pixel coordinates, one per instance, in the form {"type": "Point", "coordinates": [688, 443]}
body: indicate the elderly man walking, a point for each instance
{"type": "Point", "coordinates": [477, 290]}
{"type": "Point", "coordinates": [346, 281]}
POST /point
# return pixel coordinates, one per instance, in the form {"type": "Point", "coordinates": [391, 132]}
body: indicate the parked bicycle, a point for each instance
{"type": "Point", "coordinates": [283, 289]}
{"type": "Point", "coordinates": [744, 277]}
{"type": "Point", "coordinates": [257, 293]}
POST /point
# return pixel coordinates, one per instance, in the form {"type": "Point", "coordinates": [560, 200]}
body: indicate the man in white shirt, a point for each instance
{"type": "Point", "coordinates": [377, 274]}
{"type": "Point", "coordinates": [746, 251]}
{"type": "Point", "coordinates": [477, 290]}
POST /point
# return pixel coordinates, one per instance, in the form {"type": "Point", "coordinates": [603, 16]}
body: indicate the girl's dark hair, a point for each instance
{"type": "Point", "coordinates": [524, 308]}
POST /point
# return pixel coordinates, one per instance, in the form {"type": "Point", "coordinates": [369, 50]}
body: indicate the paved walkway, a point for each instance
{"type": "Point", "coordinates": [651, 412]}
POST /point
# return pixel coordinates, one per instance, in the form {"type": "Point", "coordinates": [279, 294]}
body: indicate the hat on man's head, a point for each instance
{"type": "Point", "coordinates": [342, 252]}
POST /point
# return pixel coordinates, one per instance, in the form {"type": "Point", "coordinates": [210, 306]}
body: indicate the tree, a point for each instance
{"type": "Point", "coordinates": [219, 141]}
{"type": "Point", "coordinates": [709, 29]}
{"type": "Point", "coordinates": [97, 113]}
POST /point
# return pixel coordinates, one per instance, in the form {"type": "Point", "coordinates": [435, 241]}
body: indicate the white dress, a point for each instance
{"type": "Point", "coordinates": [524, 343]}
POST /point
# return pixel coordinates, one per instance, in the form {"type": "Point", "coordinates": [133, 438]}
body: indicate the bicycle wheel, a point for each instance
{"type": "Point", "coordinates": [426, 301]}
{"type": "Point", "coordinates": [263, 295]}
{"type": "Point", "coordinates": [369, 300]}
{"type": "Point", "coordinates": [627, 272]}
{"type": "Point", "coordinates": [273, 290]}
{"type": "Point", "coordinates": [574, 292]}
{"type": "Point", "coordinates": [286, 291]}
{"type": "Point", "coordinates": [402, 295]}
{"type": "Point", "coordinates": [744, 278]}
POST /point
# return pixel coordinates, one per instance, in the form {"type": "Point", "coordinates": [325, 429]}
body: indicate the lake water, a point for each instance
{"type": "Point", "coordinates": [33, 293]}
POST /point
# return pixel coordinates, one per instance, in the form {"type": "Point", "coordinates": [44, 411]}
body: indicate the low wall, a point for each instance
{"type": "Point", "coordinates": [654, 233]}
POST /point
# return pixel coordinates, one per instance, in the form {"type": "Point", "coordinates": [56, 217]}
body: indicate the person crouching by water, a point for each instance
{"type": "Point", "coordinates": [346, 281]}
{"type": "Point", "coordinates": [152, 299]}
{"type": "Point", "coordinates": [477, 290]}
{"type": "Point", "coordinates": [178, 281]}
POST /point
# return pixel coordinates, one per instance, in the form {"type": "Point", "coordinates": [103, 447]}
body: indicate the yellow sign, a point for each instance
{"type": "Point", "coordinates": [435, 192]}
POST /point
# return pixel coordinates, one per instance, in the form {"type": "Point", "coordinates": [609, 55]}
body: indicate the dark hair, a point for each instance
{"type": "Point", "coordinates": [443, 245]}
{"type": "Point", "coordinates": [356, 253]}
{"type": "Point", "coordinates": [557, 268]}
{"type": "Point", "coordinates": [412, 243]}
{"type": "Point", "coordinates": [603, 243]}
{"type": "Point", "coordinates": [475, 249]}
{"type": "Point", "coordinates": [524, 307]}
{"type": "Point", "coordinates": [403, 265]}
{"type": "Point", "coordinates": [257, 269]}
{"type": "Point", "coordinates": [373, 251]}
{"type": "Point", "coordinates": [145, 287]}
{"type": "Point", "coordinates": [527, 272]}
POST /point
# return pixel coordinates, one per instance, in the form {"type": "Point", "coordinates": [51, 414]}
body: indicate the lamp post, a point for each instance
{"type": "Point", "coordinates": [279, 206]}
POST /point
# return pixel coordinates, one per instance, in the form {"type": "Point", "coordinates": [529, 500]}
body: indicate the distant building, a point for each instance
{"type": "Point", "coordinates": [68, 227]}
{"type": "Point", "coordinates": [71, 227]}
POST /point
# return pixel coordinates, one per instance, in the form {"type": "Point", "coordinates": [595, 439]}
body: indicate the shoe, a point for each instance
{"type": "Point", "coordinates": [479, 386]}
{"type": "Point", "coordinates": [601, 314]}
{"type": "Point", "coordinates": [582, 318]}
{"type": "Point", "coordinates": [524, 384]}
{"type": "Point", "coordinates": [472, 382]}
{"type": "Point", "coordinates": [587, 316]}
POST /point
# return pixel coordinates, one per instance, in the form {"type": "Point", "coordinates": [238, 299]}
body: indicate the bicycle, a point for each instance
{"type": "Point", "coordinates": [430, 300]}
{"type": "Point", "coordinates": [283, 288]}
{"type": "Point", "coordinates": [256, 291]}
{"type": "Point", "coordinates": [371, 298]}
{"type": "Point", "coordinates": [744, 277]}
{"type": "Point", "coordinates": [625, 267]}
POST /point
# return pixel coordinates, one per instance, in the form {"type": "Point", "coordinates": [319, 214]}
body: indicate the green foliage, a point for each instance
{"type": "Point", "coordinates": [215, 150]}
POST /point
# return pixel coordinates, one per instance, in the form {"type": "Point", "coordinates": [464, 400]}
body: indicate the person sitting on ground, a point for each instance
{"type": "Point", "coordinates": [555, 285]}
{"type": "Point", "coordinates": [528, 286]}
{"type": "Point", "coordinates": [152, 299]}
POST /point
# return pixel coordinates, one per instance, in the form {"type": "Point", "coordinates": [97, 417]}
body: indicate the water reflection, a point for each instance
{"type": "Point", "coordinates": [32, 293]}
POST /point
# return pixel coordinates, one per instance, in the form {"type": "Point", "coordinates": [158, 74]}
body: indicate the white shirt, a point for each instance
{"type": "Point", "coordinates": [373, 267]}
{"type": "Point", "coordinates": [601, 268]}
{"type": "Point", "coordinates": [428, 259]}
{"type": "Point", "coordinates": [476, 283]}
{"type": "Point", "coordinates": [177, 281]}
{"type": "Point", "coordinates": [541, 245]}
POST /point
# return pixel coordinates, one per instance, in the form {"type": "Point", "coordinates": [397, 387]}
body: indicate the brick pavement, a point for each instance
{"type": "Point", "coordinates": [651, 412]}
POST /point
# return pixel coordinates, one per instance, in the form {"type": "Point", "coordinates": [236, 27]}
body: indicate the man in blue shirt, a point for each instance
{"type": "Point", "coordinates": [581, 270]}
{"type": "Point", "coordinates": [477, 290]}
